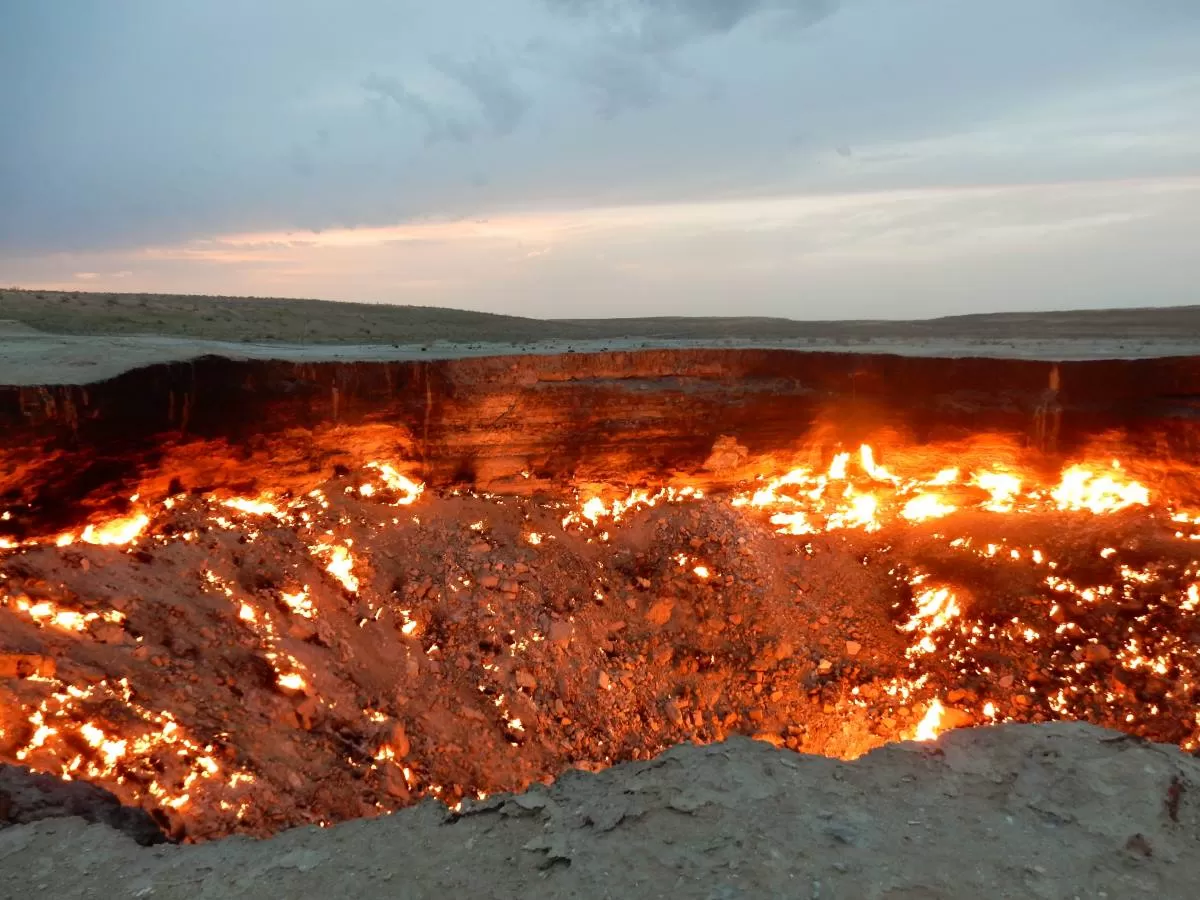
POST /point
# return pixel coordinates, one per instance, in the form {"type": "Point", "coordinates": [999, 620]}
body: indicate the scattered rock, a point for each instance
{"type": "Point", "coordinates": [560, 631]}
{"type": "Point", "coordinates": [660, 611]}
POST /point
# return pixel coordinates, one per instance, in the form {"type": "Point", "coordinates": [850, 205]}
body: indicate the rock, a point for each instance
{"type": "Point", "coordinates": [395, 785]}
{"type": "Point", "coordinates": [491, 582]}
{"type": "Point", "coordinates": [27, 796]}
{"type": "Point", "coordinates": [308, 711]}
{"type": "Point", "coordinates": [853, 648]}
{"type": "Point", "coordinates": [108, 632]}
{"type": "Point", "coordinates": [560, 631]}
{"type": "Point", "coordinates": [526, 680]}
{"type": "Point", "coordinates": [727, 453]}
{"type": "Point", "coordinates": [660, 611]}
{"type": "Point", "coordinates": [302, 629]}
{"type": "Point", "coordinates": [604, 681]}
{"type": "Point", "coordinates": [1094, 653]}
{"type": "Point", "coordinates": [671, 709]}
{"type": "Point", "coordinates": [398, 741]}
{"type": "Point", "coordinates": [23, 665]}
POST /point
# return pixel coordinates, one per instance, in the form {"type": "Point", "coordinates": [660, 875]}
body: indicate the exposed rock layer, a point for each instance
{"type": "Point", "coordinates": [513, 424]}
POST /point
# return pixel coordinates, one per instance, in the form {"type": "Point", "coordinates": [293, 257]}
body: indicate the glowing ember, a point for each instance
{"type": "Point", "coordinates": [839, 605]}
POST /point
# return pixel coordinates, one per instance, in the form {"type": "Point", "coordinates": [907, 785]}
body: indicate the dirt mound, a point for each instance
{"type": "Point", "coordinates": [1053, 811]}
{"type": "Point", "coordinates": [27, 796]}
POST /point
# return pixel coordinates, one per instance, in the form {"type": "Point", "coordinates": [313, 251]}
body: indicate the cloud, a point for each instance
{"type": "Point", "coordinates": [440, 124]}
{"type": "Point", "coordinates": [663, 25]}
{"type": "Point", "coordinates": [492, 85]}
{"type": "Point", "coordinates": [226, 118]}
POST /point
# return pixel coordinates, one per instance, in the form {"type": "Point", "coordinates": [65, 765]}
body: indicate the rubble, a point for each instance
{"type": "Point", "coordinates": [252, 662]}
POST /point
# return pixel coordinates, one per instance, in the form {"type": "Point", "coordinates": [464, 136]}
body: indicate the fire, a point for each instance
{"type": "Point", "coordinates": [44, 612]}
{"type": "Point", "coordinates": [1089, 636]}
{"type": "Point", "coordinates": [1083, 489]}
{"type": "Point", "coordinates": [341, 565]}
{"type": "Point", "coordinates": [114, 532]}
{"type": "Point", "coordinates": [408, 490]}
{"type": "Point", "coordinates": [292, 681]}
{"type": "Point", "coordinates": [300, 603]}
{"type": "Point", "coordinates": [255, 507]}
{"type": "Point", "coordinates": [1003, 489]}
{"type": "Point", "coordinates": [926, 506]}
{"type": "Point", "coordinates": [931, 725]}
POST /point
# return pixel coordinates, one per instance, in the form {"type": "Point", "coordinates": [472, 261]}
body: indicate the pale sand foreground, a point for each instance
{"type": "Point", "coordinates": [1018, 811]}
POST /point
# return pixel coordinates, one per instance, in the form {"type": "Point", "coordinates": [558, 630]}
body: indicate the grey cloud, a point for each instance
{"type": "Point", "coordinates": [386, 110]}
{"type": "Point", "coordinates": [439, 125]}
{"type": "Point", "coordinates": [492, 85]}
{"type": "Point", "coordinates": [665, 25]}
{"type": "Point", "coordinates": [635, 56]}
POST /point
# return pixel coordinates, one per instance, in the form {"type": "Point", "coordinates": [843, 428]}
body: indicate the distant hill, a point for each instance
{"type": "Point", "coordinates": [327, 322]}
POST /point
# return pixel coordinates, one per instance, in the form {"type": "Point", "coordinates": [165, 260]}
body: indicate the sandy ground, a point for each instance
{"type": "Point", "coordinates": [48, 337]}
{"type": "Point", "coordinates": [1056, 811]}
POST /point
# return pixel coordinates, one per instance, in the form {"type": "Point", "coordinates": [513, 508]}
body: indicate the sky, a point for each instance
{"type": "Point", "coordinates": [811, 159]}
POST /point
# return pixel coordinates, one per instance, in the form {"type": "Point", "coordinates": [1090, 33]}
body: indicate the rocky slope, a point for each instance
{"type": "Point", "coordinates": [1051, 811]}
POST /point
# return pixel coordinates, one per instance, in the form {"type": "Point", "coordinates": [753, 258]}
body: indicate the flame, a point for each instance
{"type": "Point", "coordinates": [409, 491]}
{"type": "Point", "coordinates": [1002, 487]}
{"type": "Point", "coordinates": [341, 565]}
{"type": "Point", "coordinates": [72, 731]}
{"type": "Point", "coordinates": [1083, 489]}
{"type": "Point", "coordinates": [254, 507]}
{"type": "Point", "coordinates": [292, 681]}
{"type": "Point", "coordinates": [113, 533]}
{"type": "Point", "coordinates": [931, 725]}
{"type": "Point", "coordinates": [926, 506]}
{"type": "Point", "coordinates": [300, 603]}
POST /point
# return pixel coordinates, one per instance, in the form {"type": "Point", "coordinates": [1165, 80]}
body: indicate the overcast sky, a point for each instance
{"type": "Point", "coordinates": [801, 158]}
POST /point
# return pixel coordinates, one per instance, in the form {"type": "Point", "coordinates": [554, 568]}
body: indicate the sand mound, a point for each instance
{"type": "Point", "coordinates": [1054, 811]}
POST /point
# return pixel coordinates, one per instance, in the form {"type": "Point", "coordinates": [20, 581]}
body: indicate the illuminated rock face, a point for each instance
{"type": "Point", "coordinates": [514, 424]}
{"type": "Point", "coordinates": [247, 596]}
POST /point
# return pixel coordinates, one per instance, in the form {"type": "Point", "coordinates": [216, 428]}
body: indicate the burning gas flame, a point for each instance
{"type": "Point", "coordinates": [931, 725]}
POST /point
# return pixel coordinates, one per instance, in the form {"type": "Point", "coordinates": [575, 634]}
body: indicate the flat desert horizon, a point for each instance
{"type": "Point", "coordinates": [312, 321]}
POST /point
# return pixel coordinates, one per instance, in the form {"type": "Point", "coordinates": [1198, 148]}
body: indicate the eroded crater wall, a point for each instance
{"type": "Point", "coordinates": [518, 423]}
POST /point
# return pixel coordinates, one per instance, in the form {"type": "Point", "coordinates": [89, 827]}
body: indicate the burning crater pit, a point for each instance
{"type": "Point", "coordinates": [249, 596]}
